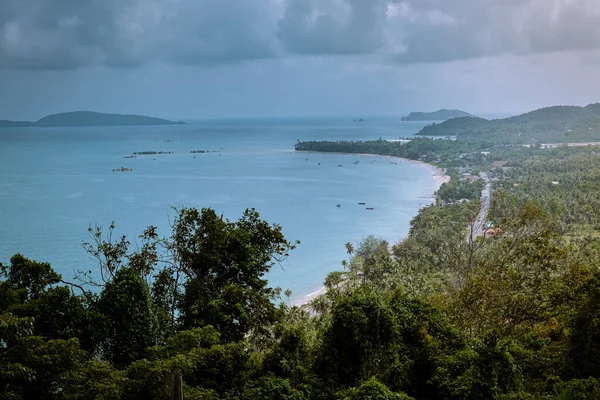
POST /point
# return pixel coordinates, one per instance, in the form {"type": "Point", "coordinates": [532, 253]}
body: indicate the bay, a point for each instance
{"type": "Point", "coordinates": [55, 182]}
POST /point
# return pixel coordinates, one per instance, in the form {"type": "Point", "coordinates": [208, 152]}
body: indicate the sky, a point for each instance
{"type": "Point", "coordinates": [290, 58]}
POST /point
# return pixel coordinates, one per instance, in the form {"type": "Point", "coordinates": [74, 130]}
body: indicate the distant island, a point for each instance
{"type": "Point", "coordinates": [89, 118]}
{"type": "Point", "coordinates": [440, 115]}
{"type": "Point", "coordinates": [549, 124]}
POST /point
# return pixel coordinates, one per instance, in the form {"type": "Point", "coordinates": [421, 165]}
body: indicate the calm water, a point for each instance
{"type": "Point", "coordinates": [54, 182]}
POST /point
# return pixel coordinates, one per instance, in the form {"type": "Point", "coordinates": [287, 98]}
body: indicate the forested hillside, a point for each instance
{"type": "Point", "coordinates": [547, 125]}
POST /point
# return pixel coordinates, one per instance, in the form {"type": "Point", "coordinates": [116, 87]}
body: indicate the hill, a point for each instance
{"type": "Point", "coordinates": [14, 124]}
{"type": "Point", "coordinates": [440, 115]}
{"type": "Point", "coordinates": [555, 124]}
{"type": "Point", "coordinates": [90, 118]}
{"type": "Point", "coordinates": [595, 108]}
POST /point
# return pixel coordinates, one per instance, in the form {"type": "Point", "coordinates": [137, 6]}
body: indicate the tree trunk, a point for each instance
{"type": "Point", "coordinates": [177, 389]}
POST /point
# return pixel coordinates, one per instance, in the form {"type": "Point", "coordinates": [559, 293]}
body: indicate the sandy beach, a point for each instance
{"type": "Point", "coordinates": [437, 173]}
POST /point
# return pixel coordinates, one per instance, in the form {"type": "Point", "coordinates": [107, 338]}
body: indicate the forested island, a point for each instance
{"type": "Point", "coordinates": [440, 115]}
{"type": "Point", "coordinates": [550, 124]}
{"type": "Point", "coordinates": [89, 118]}
{"type": "Point", "coordinates": [510, 313]}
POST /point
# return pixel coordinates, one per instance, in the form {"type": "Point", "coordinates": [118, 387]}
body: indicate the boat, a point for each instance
{"type": "Point", "coordinates": [361, 204]}
{"type": "Point", "coordinates": [370, 208]}
{"type": "Point", "coordinates": [339, 205]}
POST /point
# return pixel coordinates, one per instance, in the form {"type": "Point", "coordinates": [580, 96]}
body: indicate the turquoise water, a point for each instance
{"type": "Point", "coordinates": [54, 182]}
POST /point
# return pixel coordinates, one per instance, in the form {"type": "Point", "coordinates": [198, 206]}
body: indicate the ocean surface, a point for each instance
{"type": "Point", "coordinates": [55, 182]}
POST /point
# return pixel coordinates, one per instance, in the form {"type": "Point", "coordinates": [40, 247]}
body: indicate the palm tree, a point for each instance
{"type": "Point", "coordinates": [349, 250]}
{"type": "Point", "coordinates": [319, 305]}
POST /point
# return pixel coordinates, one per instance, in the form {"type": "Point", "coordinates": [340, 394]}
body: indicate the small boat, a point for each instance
{"type": "Point", "coordinates": [339, 165]}
{"type": "Point", "coordinates": [361, 204]}
{"type": "Point", "coordinates": [339, 205]}
{"type": "Point", "coordinates": [370, 208]}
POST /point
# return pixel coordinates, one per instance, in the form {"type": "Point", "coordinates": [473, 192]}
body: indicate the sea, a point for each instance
{"type": "Point", "coordinates": [56, 182]}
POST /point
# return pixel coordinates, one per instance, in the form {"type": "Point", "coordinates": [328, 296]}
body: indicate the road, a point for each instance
{"type": "Point", "coordinates": [576, 144]}
{"type": "Point", "coordinates": [478, 227]}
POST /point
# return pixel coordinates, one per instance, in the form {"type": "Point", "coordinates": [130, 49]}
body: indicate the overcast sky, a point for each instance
{"type": "Point", "coordinates": [263, 58]}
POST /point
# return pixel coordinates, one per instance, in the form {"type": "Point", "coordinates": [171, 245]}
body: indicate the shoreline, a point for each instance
{"type": "Point", "coordinates": [439, 175]}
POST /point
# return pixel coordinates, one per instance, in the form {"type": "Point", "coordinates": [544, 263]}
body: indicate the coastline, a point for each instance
{"type": "Point", "coordinates": [438, 174]}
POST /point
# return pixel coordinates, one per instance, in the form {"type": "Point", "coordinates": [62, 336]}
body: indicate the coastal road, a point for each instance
{"type": "Point", "coordinates": [478, 228]}
{"type": "Point", "coordinates": [576, 144]}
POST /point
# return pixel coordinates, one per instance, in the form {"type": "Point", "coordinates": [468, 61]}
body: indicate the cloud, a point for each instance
{"type": "Point", "coordinates": [318, 27]}
{"type": "Point", "coordinates": [58, 34]}
{"type": "Point", "coordinates": [63, 34]}
{"type": "Point", "coordinates": [466, 29]}
{"type": "Point", "coordinates": [439, 30]}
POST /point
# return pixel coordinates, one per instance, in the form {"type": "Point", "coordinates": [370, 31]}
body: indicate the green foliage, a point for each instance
{"type": "Point", "coordinates": [29, 276]}
{"type": "Point", "coordinates": [580, 389]}
{"type": "Point", "coordinates": [360, 340]}
{"type": "Point", "coordinates": [34, 368]}
{"type": "Point", "coordinates": [130, 324]}
{"type": "Point", "coordinates": [272, 388]}
{"type": "Point", "coordinates": [372, 389]}
{"type": "Point", "coordinates": [226, 263]}
{"type": "Point", "coordinates": [483, 370]}
{"type": "Point", "coordinates": [584, 349]}
{"type": "Point", "coordinates": [427, 150]}
{"type": "Point", "coordinates": [551, 124]}
{"type": "Point", "coordinates": [563, 181]}
{"type": "Point", "coordinates": [457, 189]}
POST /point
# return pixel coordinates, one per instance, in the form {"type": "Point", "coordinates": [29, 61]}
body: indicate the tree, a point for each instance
{"type": "Point", "coordinates": [30, 276]}
{"type": "Point", "coordinates": [349, 250]}
{"type": "Point", "coordinates": [360, 341]}
{"type": "Point", "coordinates": [372, 389]}
{"type": "Point", "coordinates": [130, 326]}
{"type": "Point", "coordinates": [584, 349]}
{"type": "Point", "coordinates": [225, 263]}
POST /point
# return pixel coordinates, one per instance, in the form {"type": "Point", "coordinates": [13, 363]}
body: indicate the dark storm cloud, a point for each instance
{"type": "Point", "coordinates": [461, 29]}
{"type": "Point", "coordinates": [62, 34]}
{"type": "Point", "coordinates": [332, 26]}
{"type": "Point", "coordinates": [439, 30]}
{"type": "Point", "coordinates": [56, 34]}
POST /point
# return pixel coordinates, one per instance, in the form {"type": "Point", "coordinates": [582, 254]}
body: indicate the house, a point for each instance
{"type": "Point", "coordinates": [494, 232]}
{"type": "Point", "coordinates": [499, 164]}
